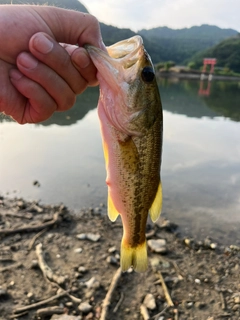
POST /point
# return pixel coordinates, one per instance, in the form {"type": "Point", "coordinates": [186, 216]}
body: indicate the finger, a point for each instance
{"type": "Point", "coordinates": [38, 105]}
{"type": "Point", "coordinates": [48, 79]}
{"type": "Point", "coordinates": [49, 52]}
{"type": "Point", "coordinates": [84, 64]}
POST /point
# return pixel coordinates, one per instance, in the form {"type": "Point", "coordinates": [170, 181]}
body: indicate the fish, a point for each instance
{"type": "Point", "coordinates": [131, 123]}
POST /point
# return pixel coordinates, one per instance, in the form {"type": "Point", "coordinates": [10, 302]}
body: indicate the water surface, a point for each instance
{"type": "Point", "coordinates": [201, 157]}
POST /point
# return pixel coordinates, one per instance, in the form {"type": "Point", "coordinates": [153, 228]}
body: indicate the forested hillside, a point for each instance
{"type": "Point", "coordinates": [179, 45]}
{"type": "Point", "coordinates": [226, 52]}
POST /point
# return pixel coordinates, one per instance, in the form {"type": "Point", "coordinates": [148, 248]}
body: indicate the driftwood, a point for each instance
{"type": "Point", "coordinates": [107, 300]}
{"type": "Point", "coordinates": [56, 218]}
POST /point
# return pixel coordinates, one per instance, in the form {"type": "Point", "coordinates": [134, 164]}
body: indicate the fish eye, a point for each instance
{"type": "Point", "coordinates": [148, 74]}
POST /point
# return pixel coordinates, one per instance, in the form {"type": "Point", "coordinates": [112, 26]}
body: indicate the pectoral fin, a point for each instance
{"type": "Point", "coordinates": [156, 207]}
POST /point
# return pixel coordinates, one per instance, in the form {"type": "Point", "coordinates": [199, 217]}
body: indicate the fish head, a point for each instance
{"type": "Point", "coordinates": [129, 94]}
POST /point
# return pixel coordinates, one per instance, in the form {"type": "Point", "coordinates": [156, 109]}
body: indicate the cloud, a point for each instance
{"type": "Point", "coordinates": [135, 14]}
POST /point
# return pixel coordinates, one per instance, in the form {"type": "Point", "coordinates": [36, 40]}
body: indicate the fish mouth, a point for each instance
{"type": "Point", "coordinates": [121, 62]}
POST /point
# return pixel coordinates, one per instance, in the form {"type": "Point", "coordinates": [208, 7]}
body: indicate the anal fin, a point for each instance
{"type": "Point", "coordinates": [156, 207]}
{"type": "Point", "coordinates": [112, 211]}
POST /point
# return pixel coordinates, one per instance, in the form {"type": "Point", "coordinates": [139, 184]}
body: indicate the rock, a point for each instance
{"type": "Point", "coordinates": [69, 304]}
{"type": "Point", "coordinates": [112, 249]}
{"type": "Point", "coordinates": [149, 302]}
{"type": "Point", "coordinates": [82, 269]}
{"type": "Point", "coordinates": [197, 281]}
{"type": "Point", "coordinates": [213, 246]}
{"type": "Point", "coordinates": [92, 283]}
{"type": "Point", "coordinates": [93, 237]}
{"type": "Point", "coordinates": [78, 250]}
{"type": "Point", "coordinates": [112, 260]}
{"type": "Point", "coordinates": [158, 245]}
{"type": "Point", "coordinates": [88, 236]}
{"type": "Point", "coordinates": [84, 307]}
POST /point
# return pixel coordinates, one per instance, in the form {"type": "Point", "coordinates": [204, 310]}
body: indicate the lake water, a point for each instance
{"type": "Point", "coordinates": [201, 157]}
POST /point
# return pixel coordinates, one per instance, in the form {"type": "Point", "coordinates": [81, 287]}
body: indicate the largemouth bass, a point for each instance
{"type": "Point", "coordinates": [130, 114]}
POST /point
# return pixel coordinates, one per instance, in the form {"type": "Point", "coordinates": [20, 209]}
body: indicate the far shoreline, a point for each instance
{"type": "Point", "coordinates": [196, 76]}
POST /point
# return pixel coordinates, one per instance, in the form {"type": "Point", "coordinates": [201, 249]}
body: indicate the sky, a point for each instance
{"type": "Point", "coordinates": [176, 14]}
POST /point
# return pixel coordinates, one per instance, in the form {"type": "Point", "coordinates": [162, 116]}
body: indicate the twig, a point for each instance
{"type": "Point", "coordinates": [144, 312]}
{"type": "Point", "coordinates": [12, 266]}
{"type": "Point", "coordinates": [27, 215]}
{"type": "Point", "coordinates": [13, 316]}
{"type": "Point", "coordinates": [222, 301]}
{"type": "Point", "coordinates": [35, 238]}
{"type": "Point", "coordinates": [49, 311]}
{"type": "Point", "coordinates": [160, 313]}
{"type": "Point", "coordinates": [107, 300]}
{"type": "Point", "coordinates": [49, 275]}
{"type": "Point", "coordinates": [167, 295]}
{"type": "Point", "coordinates": [56, 218]}
{"type": "Point", "coordinates": [40, 303]}
{"type": "Point", "coordinates": [46, 270]}
{"type": "Point", "coordinates": [119, 303]}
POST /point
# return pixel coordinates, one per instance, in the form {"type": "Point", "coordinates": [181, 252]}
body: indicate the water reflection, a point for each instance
{"type": "Point", "coordinates": [201, 157]}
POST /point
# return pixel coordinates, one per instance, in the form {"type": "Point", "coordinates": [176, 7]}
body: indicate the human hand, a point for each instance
{"type": "Point", "coordinates": [44, 75]}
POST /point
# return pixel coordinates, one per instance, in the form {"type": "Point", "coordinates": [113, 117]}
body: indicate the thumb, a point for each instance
{"type": "Point", "coordinates": [72, 27]}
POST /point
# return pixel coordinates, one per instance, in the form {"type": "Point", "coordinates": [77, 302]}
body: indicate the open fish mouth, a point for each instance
{"type": "Point", "coordinates": [121, 62]}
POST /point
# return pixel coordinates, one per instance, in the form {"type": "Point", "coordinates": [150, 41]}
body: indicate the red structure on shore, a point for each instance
{"type": "Point", "coordinates": [211, 61]}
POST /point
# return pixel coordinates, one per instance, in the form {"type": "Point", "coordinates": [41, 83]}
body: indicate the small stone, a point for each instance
{"type": "Point", "coordinates": [112, 260]}
{"type": "Point", "coordinates": [81, 236]}
{"type": "Point", "coordinates": [30, 295]}
{"type": "Point", "coordinates": [85, 307]}
{"type": "Point", "coordinates": [82, 269]}
{"type": "Point", "coordinates": [97, 210]}
{"type": "Point", "coordinates": [117, 256]}
{"type": "Point", "coordinates": [237, 299]}
{"type": "Point", "coordinates": [158, 245]}
{"type": "Point", "coordinates": [58, 256]}
{"type": "Point", "coordinates": [69, 304]}
{"type": "Point", "coordinates": [78, 250]}
{"type": "Point", "coordinates": [213, 246]}
{"type": "Point", "coordinates": [92, 283]}
{"type": "Point", "coordinates": [93, 237]}
{"type": "Point", "coordinates": [36, 183]}
{"type": "Point", "coordinates": [197, 281]}
{"type": "Point", "coordinates": [149, 301]}
{"type": "Point", "coordinates": [112, 249]}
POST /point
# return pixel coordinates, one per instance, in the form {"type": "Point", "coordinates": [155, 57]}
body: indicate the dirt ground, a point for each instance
{"type": "Point", "coordinates": [53, 261]}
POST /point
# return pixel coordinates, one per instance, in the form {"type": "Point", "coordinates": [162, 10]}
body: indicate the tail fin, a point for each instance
{"type": "Point", "coordinates": [135, 257]}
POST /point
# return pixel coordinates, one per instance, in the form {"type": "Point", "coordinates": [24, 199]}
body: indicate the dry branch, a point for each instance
{"type": "Point", "coordinates": [49, 311]}
{"type": "Point", "coordinates": [46, 270]}
{"type": "Point", "coordinates": [40, 303]}
{"type": "Point", "coordinates": [35, 238]}
{"type": "Point", "coordinates": [12, 266]}
{"type": "Point", "coordinates": [107, 300]}
{"type": "Point", "coordinates": [144, 312]}
{"type": "Point", "coordinates": [167, 295]}
{"type": "Point", "coordinates": [56, 218]}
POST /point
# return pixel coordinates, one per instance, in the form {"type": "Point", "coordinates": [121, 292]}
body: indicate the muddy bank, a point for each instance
{"type": "Point", "coordinates": [56, 264]}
